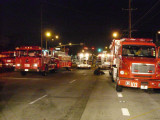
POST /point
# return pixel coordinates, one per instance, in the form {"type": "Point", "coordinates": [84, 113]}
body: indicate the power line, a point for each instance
{"type": "Point", "coordinates": [146, 13]}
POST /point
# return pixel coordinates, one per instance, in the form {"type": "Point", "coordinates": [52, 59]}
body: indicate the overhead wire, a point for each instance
{"type": "Point", "coordinates": [146, 13]}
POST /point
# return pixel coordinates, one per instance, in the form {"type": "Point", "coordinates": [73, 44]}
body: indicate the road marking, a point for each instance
{"type": "Point", "coordinates": [119, 94]}
{"type": "Point", "coordinates": [37, 99]}
{"type": "Point", "coordinates": [146, 113]}
{"type": "Point", "coordinates": [72, 81]}
{"type": "Point", "coordinates": [125, 112]}
{"type": "Point", "coordinates": [19, 78]}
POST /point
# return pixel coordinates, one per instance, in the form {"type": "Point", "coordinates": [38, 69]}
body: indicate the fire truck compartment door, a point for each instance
{"type": "Point", "coordinates": [114, 74]}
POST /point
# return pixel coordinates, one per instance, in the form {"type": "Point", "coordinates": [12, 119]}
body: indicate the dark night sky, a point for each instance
{"type": "Point", "coordinates": [88, 21]}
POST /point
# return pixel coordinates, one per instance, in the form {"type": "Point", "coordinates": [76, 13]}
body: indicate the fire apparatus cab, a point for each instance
{"type": "Point", "coordinates": [8, 59]}
{"type": "Point", "coordinates": [134, 63]}
{"type": "Point", "coordinates": [33, 58]}
{"type": "Point", "coordinates": [62, 59]}
{"type": "Point", "coordinates": [83, 59]}
{"type": "Point", "coordinates": [103, 60]}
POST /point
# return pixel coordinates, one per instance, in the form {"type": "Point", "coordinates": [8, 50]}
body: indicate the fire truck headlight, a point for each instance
{"type": "Point", "coordinates": [81, 55]}
{"type": "Point", "coordinates": [18, 65]}
{"type": "Point", "coordinates": [8, 60]}
{"type": "Point", "coordinates": [35, 65]}
{"type": "Point", "coordinates": [103, 55]}
{"type": "Point", "coordinates": [122, 72]}
{"type": "Point", "coordinates": [87, 55]}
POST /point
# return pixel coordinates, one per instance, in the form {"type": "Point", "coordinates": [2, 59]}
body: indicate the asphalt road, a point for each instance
{"type": "Point", "coordinates": [73, 95]}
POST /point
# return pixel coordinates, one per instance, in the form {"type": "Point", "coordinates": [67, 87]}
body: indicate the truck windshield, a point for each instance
{"type": "Point", "coordinates": [34, 53]}
{"type": "Point", "coordinates": [138, 51]}
{"type": "Point", "coordinates": [30, 53]}
{"type": "Point", "coordinates": [10, 55]}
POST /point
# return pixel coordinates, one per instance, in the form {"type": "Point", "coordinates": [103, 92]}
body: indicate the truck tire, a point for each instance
{"type": "Point", "coordinates": [68, 69]}
{"type": "Point", "coordinates": [112, 79]}
{"type": "Point", "coordinates": [110, 73]}
{"type": "Point", "coordinates": [119, 88]}
{"type": "Point", "coordinates": [53, 71]}
{"type": "Point", "coordinates": [23, 73]}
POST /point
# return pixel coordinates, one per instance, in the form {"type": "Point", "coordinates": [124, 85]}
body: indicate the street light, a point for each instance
{"type": "Point", "coordinates": [115, 34]}
{"type": "Point", "coordinates": [106, 47]}
{"type": "Point", "coordinates": [60, 44]}
{"type": "Point", "coordinates": [48, 34]}
{"type": "Point", "coordinates": [57, 37]}
{"type": "Point", "coordinates": [70, 43]}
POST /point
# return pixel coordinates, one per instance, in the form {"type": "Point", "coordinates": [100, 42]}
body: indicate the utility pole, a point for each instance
{"type": "Point", "coordinates": [41, 27]}
{"type": "Point", "coordinates": [130, 26]}
{"type": "Point", "coordinates": [130, 18]}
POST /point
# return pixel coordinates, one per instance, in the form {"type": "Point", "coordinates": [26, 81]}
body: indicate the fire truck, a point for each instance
{"type": "Point", "coordinates": [134, 63]}
{"type": "Point", "coordinates": [33, 58]}
{"type": "Point", "coordinates": [8, 59]}
{"type": "Point", "coordinates": [62, 59]}
{"type": "Point", "coordinates": [83, 59]}
{"type": "Point", "coordinates": [103, 60]}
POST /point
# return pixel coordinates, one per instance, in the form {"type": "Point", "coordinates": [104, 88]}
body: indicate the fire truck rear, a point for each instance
{"type": "Point", "coordinates": [33, 58]}
{"type": "Point", "coordinates": [103, 60]}
{"type": "Point", "coordinates": [134, 64]}
{"type": "Point", "coordinates": [8, 60]}
{"type": "Point", "coordinates": [62, 59]}
{"type": "Point", "coordinates": [83, 59]}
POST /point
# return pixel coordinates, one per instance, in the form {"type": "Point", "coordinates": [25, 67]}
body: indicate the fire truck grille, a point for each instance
{"type": "Point", "coordinates": [138, 68]}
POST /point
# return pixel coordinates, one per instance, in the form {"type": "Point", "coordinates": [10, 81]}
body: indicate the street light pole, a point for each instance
{"type": "Point", "coordinates": [48, 34]}
{"type": "Point", "coordinates": [157, 33]}
{"type": "Point", "coordinates": [130, 19]}
{"type": "Point", "coordinates": [46, 43]}
{"type": "Point", "coordinates": [41, 26]}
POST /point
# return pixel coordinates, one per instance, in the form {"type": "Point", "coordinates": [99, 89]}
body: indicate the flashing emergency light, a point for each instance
{"type": "Point", "coordinates": [103, 55]}
{"type": "Point", "coordinates": [93, 48]}
{"type": "Point", "coordinates": [87, 55]}
{"type": "Point", "coordinates": [86, 48]}
{"type": "Point", "coordinates": [81, 55]}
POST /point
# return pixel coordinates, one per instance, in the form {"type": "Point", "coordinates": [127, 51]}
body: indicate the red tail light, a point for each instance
{"type": "Point", "coordinates": [150, 71]}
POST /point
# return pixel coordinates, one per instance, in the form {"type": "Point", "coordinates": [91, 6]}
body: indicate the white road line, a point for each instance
{"type": "Point", "coordinates": [72, 81]}
{"type": "Point", "coordinates": [119, 94]}
{"type": "Point", "coordinates": [37, 99]}
{"type": "Point", "coordinates": [125, 112]}
{"type": "Point", "coordinates": [20, 78]}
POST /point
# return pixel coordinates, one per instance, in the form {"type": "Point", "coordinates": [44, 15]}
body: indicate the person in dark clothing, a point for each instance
{"type": "Point", "coordinates": [98, 71]}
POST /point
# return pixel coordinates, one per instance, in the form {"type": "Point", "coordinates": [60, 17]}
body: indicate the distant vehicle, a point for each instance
{"type": "Point", "coordinates": [33, 58]}
{"type": "Point", "coordinates": [103, 61]}
{"type": "Point", "coordinates": [134, 63]}
{"type": "Point", "coordinates": [62, 59]}
{"type": "Point", "coordinates": [8, 59]}
{"type": "Point", "coordinates": [83, 59]}
{"type": "Point", "coordinates": [0, 65]}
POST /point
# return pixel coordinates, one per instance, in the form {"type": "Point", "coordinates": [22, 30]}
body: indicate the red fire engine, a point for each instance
{"type": "Point", "coordinates": [134, 63]}
{"type": "Point", "coordinates": [33, 58]}
{"type": "Point", "coordinates": [7, 59]}
{"type": "Point", "coordinates": [62, 59]}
